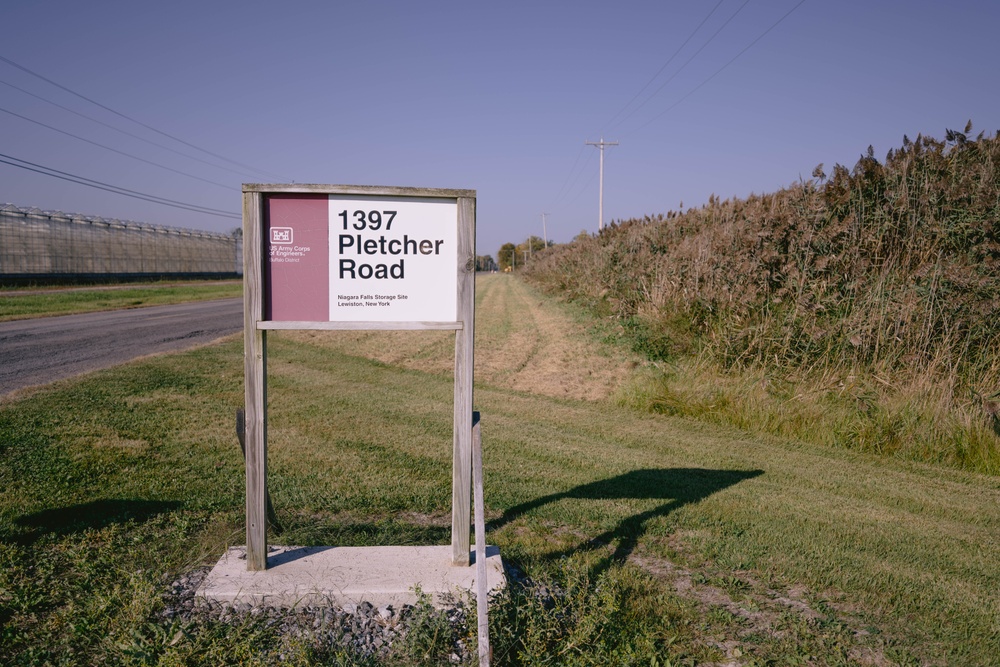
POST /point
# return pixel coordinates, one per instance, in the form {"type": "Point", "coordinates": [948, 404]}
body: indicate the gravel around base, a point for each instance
{"type": "Point", "coordinates": [363, 630]}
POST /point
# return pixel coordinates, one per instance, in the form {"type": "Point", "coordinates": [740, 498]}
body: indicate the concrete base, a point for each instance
{"type": "Point", "coordinates": [343, 576]}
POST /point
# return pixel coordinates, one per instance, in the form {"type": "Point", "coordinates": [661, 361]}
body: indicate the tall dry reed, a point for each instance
{"type": "Point", "coordinates": [889, 270]}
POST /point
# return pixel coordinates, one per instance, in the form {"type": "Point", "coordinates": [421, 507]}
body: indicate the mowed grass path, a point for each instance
{"type": "Point", "coordinates": [647, 540]}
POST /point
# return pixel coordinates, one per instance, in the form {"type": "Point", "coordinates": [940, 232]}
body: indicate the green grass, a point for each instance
{"type": "Point", "coordinates": [851, 411]}
{"type": "Point", "coordinates": [646, 539]}
{"type": "Point", "coordinates": [17, 304]}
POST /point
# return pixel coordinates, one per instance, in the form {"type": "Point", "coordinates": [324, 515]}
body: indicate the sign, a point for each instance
{"type": "Point", "coordinates": [350, 258]}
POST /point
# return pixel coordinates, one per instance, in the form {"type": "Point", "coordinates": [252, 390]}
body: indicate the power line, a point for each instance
{"type": "Point", "coordinates": [688, 61]}
{"type": "Point", "coordinates": [579, 185]}
{"type": "Point", "coordinates": [125, 132]}
{"type": "Point", "coordinates": [115, 150]}
{"type": "Point", "coordinates": [660, 71]}
{"type": "Point", "coordinates": [81, 180]}
{"type": "Point", "coordinates": [720, 70]}
{"type": "Point", "coordinates": [664, 84]}
{"type": "Point", "coordinates": [583, 186]}
{"type": "Point", "coordinates": [569, 175]}
{"type": "Point", "coordinates": [133, 120]}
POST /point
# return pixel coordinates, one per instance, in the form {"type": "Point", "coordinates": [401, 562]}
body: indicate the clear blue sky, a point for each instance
{"type": "Point", "coordinates": [497, 97]}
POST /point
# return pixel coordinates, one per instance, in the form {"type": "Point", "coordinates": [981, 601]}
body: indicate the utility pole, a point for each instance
{"type": "Point", "coordinates": [545, 234]}
{"type": "Point", "coordinates": [600, 202]}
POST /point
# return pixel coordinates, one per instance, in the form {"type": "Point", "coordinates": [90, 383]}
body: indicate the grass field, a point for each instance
{"type": "Point", "coordinates": [21, 303]}
{"type": "Point", "coordinates": [644, 539]}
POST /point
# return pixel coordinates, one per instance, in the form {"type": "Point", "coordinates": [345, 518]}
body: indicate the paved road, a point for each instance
{"type": "Point", "coordinates": [42, 350]}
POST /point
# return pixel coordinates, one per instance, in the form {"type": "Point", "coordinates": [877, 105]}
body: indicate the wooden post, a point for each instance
{"type": "Point", "coordinates": [482, 585]}
{"type": "Point", "coordinates": [241, 434]}
{"type": "Point", "coordinates": [464, 338]}
{"type": "Point", "coordinates": [255, 365]}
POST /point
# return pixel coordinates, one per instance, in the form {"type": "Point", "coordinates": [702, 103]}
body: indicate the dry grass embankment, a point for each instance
{"type": "Point", "coordinates": [860, 309]}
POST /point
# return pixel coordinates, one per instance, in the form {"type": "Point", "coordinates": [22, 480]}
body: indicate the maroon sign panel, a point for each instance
{"type": "Point", "coordinates": [296, 258]}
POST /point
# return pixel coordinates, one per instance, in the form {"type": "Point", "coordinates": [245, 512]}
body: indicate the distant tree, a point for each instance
{"type": "Point", "coordinates": [534, 243]}
{"type": "Point", "coordinates": [527, 248]}
{"type": "Point", "coordinates": [582, 236]}
{"type": "Point", "coordinates": [485, 263]}
{"type": "Point", "coordinates": [505, 257]}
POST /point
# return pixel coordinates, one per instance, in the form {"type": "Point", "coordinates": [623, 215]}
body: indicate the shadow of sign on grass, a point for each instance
{"type": "Point", "coordinates": [78, 518]}
{"type": "Point", "coordinates": [677, 487]}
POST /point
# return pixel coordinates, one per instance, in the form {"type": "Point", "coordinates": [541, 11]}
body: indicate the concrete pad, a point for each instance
{"type": "Point", "coordinates": [343, 576]}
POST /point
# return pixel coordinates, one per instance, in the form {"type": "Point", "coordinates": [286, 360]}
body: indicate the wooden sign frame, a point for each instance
{"type": "Point", "coordinates": [256, 325]}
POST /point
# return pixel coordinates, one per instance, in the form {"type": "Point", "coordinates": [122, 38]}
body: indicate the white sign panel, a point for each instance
{"type": "Point", "coordinates": [393, 259]}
